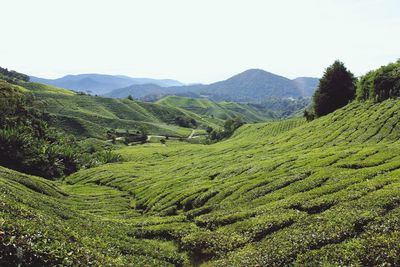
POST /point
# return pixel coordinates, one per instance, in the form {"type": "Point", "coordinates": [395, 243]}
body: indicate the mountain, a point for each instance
{"type": "Point", "coordinates": [99, 83]}
{"type": "Point", "coordinates": [252, 86]}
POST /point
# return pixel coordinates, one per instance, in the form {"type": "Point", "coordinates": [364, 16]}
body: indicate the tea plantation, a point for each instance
{"type": "Point", "coordinates": [287, 193]}
{"type": "Point", "coordinates": [218, 110]}
{"type": "Point", "coordinates": [91, 116]}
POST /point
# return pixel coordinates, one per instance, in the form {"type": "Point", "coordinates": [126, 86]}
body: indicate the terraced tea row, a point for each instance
{"type": "Point", "coordinates": [92, 116]}
{"type": "Point", "coordinates": [276, 194]}
{"type": "Point", "coordinates": [277, 188]}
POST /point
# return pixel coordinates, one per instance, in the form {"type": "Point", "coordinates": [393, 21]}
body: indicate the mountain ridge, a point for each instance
{"type": "Point", "coordinates": [252, 85]}
{"type": "Point", "coordinates": [100, 83]}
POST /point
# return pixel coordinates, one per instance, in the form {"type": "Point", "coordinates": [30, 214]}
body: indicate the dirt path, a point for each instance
{"type": "Point", "coordinates": [191, 134]}
{"type": "Point", "coordinates": [162, 136]}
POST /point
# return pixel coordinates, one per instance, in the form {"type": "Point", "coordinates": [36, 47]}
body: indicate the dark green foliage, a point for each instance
{"type": "Point", "coordinates": [130, 97]}
{"type": "Point", "coordinates": [308, 115]}
{"type": "Point", "coordinates": [28, 145]}
{"type": "Point", "coordinates": [135, 138]}
{"type": "Point", "coordinates": [336, 89]}
{"type": "Point", "coordinates": [12, 76]}
{"type": "Point", "coordinates": [380, 84]}
{"type": "Point", "coordinates": [229, 128]}
{"type": "Point", "coordinates": [276, 108]}
{"type": "Point", "coordinates": [186, 122]}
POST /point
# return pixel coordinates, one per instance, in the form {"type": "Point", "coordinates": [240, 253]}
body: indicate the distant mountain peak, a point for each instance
{"type": "Point", "coordinates": [101, 83]}
{"type": "Point", "coordinates": [256, 75]}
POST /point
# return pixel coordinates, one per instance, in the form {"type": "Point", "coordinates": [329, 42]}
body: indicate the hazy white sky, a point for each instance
{"type": "Point", "coordinates": [197, 40]}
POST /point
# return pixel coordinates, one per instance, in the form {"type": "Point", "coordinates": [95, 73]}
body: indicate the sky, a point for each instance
{"type": "Point", "coordinates": [197, 40]}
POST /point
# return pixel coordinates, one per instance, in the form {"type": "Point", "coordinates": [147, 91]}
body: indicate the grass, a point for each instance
{"type": "Point", "coordinates": [286, 193]}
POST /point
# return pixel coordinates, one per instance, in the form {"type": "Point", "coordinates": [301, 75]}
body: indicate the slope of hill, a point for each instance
{"type": "Point", "coordinates": [275, 194]}
{"type": "Point", "coordinates": [221, 110]}
{"type": "Point", "coordinates": [100, 83]}
{"type": "Point", "coordinates": [140, 91]}
{"type": "Point", "coordinates": [253, 85]}
{"type": "Point", "coordinates": [91, 116]}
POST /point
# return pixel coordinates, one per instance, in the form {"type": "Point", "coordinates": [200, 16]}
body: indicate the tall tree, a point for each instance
{"type": "Point", "coordinates": [336, 89]}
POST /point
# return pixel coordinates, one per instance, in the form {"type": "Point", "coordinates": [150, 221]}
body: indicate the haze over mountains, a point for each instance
{"type": "Point", "coordinates": [252, 85]}
{"type": "Point", "coordinates": [101, 83]}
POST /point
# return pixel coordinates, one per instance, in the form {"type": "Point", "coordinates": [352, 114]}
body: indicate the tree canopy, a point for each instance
{"type": "Point", "coordinates": [336, 89]}
{"type": "Point", "coordinates": [27, 144]}
{"type": "Point", "coordinates": [380, 84]}
{"type": "Point", "coordinates": [12, 76]}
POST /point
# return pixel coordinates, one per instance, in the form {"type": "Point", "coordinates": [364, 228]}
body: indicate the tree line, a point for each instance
{"type": "Point", "coordinates": [12, 76]}
{"type": "Point", "coordinates": [338, 87]}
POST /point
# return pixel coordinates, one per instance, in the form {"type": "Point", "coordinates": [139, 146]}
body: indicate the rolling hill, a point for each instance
{"type": "Point", "coordinates": [92, 116]}
{"type": "Point", "coordinates": [100, 83]}
{"type": "Point", "coordinates": [252, 86]}
{"type": "Point", "coordinates": [219, 110]}
{"type": "Point", "coordinates": [286, 193]}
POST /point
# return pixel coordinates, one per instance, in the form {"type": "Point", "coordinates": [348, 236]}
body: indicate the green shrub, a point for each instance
{"type": "Point", "coordinates": [380, 84]}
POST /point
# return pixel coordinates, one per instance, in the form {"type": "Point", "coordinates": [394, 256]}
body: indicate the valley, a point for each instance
{"type": "Point", "coordinates": [200, 133]}
{"type": "Point", "coordinates": [270, 195]}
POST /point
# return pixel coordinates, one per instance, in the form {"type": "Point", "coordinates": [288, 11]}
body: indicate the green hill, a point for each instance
{"type": "Point", "coordinates": [275, 194]}
{"type": "Point", "coordinates": [92, 116]}
{"type": "Point", "coordinates": [221, 110]}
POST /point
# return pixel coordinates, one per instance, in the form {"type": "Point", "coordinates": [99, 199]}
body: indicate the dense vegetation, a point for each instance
{"type": "Point", "coordinates": [336, 89]}
{"type": "Point", "coordinates": [279, 108]}
{"type": "Point", "coordinates": [12, 76]}
{"type": "Point", "coordinates": [27, 143]}
{"type": "Point", "coordinates": [380, 84]}
{"type": "Point", "coordinates": [230, 127]}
